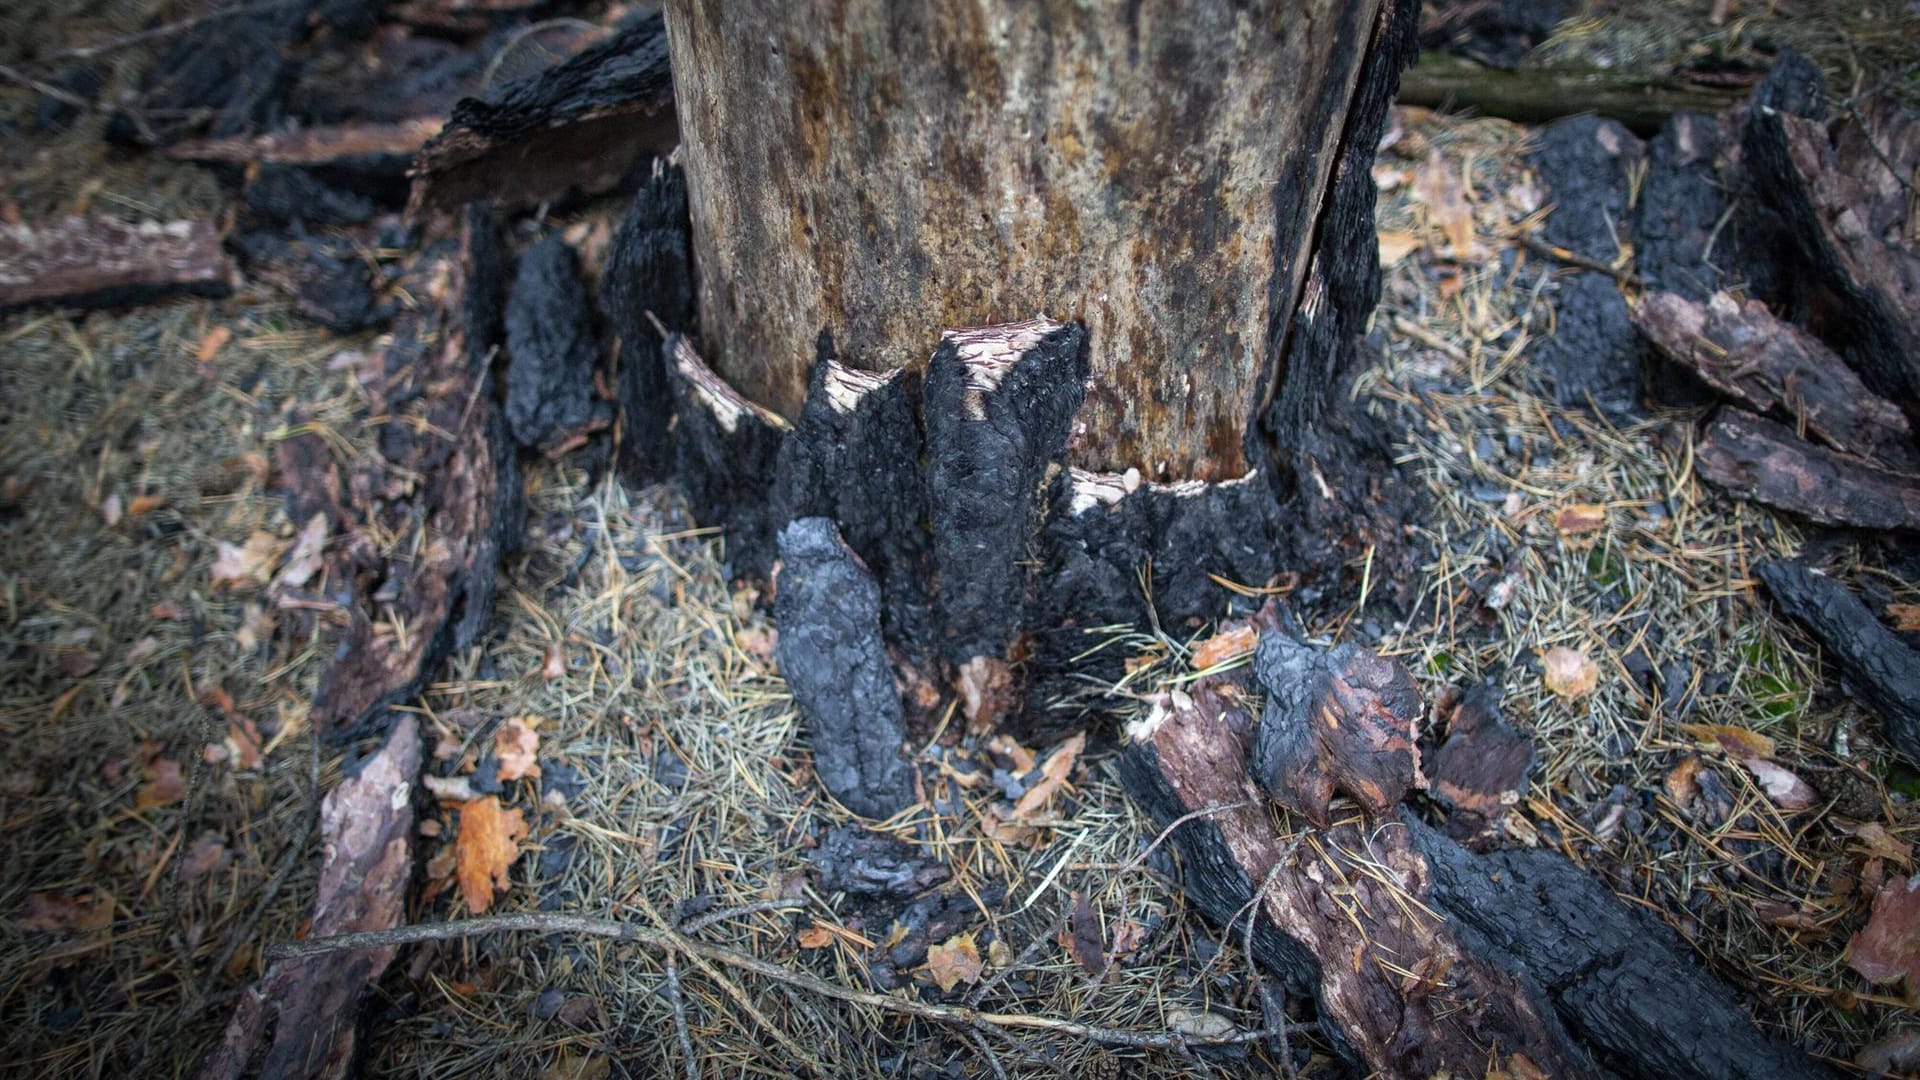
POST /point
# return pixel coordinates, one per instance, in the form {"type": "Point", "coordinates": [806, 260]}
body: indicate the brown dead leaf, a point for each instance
{"type": "Point", "coordinates": [55, 913]}
{"type": "Point", "coordinates": [1396, 245]}
{"type": "Point", "coordinates": [1897, 1053]}
{"type": "Point", "coordinates": [1738, 743]}
{"type": "Point", "coordinates": [1226, 645]}
{"type": "Point", "coordinates": [955, 961]}
{"type": "Point", "coordinates": [207, 855]}
{"type": "Point", "coordinates": [996, 826]}
{"type": "Point", "coordinates": [1053, 774]}
{"type": "Point", "coordinates": [1888, 948]}
{"type": "Point", "coordinates": [164, 785]}
{"type": "Point", "coordinates": [555, 665]}
{"type": "Point", "coordinates": [1683, 783]}
{"type": "Point", "coordinates": [1877, 842]}
{"type": "Point", "coordinates": [1084, 938]}
{"type": "Point", "coordinates": [1579, 519]}
{"type": "Point", "coordinates": [307, 556]}
{"type": "Point", "coordinates": [239, 565]}
{"type": "Point", "coordinates": [488, 844]}
{"type": "Point", "coordinates": [1784, 787]}
{"type": "Point", "coordinates": [816, 937]}
{"type": "Point", "coordinates": [517, 745]}
{"type": "Point", "coordinates": [145, 504]}
{"type": "Point", "coordinates": [209, 348]}
{"type": "Point", "coordinates": [1568, 672]}
{"type": "Point", "coordinates": [1021, 757]}
{"type": "Point", "coordinates": [1906, 617]}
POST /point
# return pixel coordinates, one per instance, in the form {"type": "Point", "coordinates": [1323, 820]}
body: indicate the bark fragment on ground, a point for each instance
{"type": "Point", "coordinates": [1845, 190]}
{"type": "Point", "coordinates": [1337, 720]}
{"type": "Point", "coordinates": [1754, 458]}
{"type": "Point", "coordinates": [1592, 357]}
{"type": "Point", "coordinates": [854, 456]}
{"type": "Point", "coordinates": [646, 286]}
{"type": "Point", "coordinates": [446, 489]}
{"type": "Point", "coordinates": [999, 403]}
{"type": "Point", "coordinates": [325, 275]}
{"type": "Point", "coordinates": [368, 159]}
{"type": "Point", "coordinates": [1882, 670]}
{"type": "Point", "coordinates": [726, 452]}
{"type": "Point", "coordinates": [1743, 351]}
{"type": "Point", "coordinates": [96, 262]}
{"type": "Point", "coordinates": [1419, 953]}
{"type": "Point", "coordinates": [1480, 772]}
{"type": "Point", "coordinates": [827, 607]}
{"type": "Point", "coordinates": [550, 344]}
{"type": "Point", "coordinates": [312, 1006]}
{"type": "Point", "coordinates": [579, 127]}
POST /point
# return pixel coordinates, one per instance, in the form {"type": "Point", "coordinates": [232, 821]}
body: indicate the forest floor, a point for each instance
{"type": "Point", "coordinates": [162, 788]}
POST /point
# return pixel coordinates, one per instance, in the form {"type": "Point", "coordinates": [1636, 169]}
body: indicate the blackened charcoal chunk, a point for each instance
{"type": "Point", "coordinates": [550, 346]}
{"type": "Point", "coordinates": [828, 611]}
{"type": "Point", "coordinates": [865, 863]}
{"type": "Point", "coordinates": [1339, 719]}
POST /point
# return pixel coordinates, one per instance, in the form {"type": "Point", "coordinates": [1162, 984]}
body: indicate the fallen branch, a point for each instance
{"type": "Point", "coordinates": [674, 942]}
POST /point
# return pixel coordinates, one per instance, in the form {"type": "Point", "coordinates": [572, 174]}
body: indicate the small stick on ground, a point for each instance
{"type": "Point", "coordinates": [679, 1003]}
{"type": "Point", "coordinates": [676, 942]}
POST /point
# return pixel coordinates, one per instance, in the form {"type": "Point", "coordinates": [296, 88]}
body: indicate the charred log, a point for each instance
{"type": "Point", "coordinates": [370, 160]}
{"type": "Point", "coordinates": [1427, 953]}
{"type": "Point", "coordinates": [647, 286]}
{"type": "Point", "coordinates": [579, 127]}
{"type": "Point", "coordinates": [229, 76]}
{"type": "Point", "coordinates": [726, 450]}
{"type": "Point", "coordinates": [101, 262]}
{"type": "Point", "coordinates": [326, 276]}
{"type": "Point", "coordinates": [1883, 671]}
{"type": "Point", "coordinates": [550, 345]}
{"type": "Point", "coordinates": [827, 607]}
{"type": "Point", "coordinates": [1499, 33]}
{"type": "Point", "coordinates": [447, 486]}
{"type": "Point", "coordinates": [1760, 460]}
{"type": "Point", "coordinates": [312, 1006]}
{"type": "Point", "coordinates": [1743, 351]}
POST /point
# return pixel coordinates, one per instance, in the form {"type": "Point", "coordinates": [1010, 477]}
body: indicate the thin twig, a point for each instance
{"type": "Point", "coordinates": [679, 1002]}
{"type": "Point", "coordinates": [673, 941]}
{"type": "Point", "coordinates": [700, 923]}
{"type": "Point", "coordinates": [98, 48]}
{"type": "Point", "coordinates": [1574, 258]}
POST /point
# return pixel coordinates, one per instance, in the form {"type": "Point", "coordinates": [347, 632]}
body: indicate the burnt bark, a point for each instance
{"type": "Point", "coordinates": [646, 287]}
{"type": "Point", "coordinates": [101, 262]}
{"type": "Point", "coordinates": [447, 485]}
{"type": "Point", "coordinates": [312, 1006]}
{"type": "Point", "coordinates": [725, 452]}
{"type": "Point", "coordinates": [1771, 366]}
{"type": "Point", "coordinates": [1883, 671]}
{"type": "Point", "coordinates": [1422, 956]}
{"type": "Point", "coordinates": [854, 455]}
{"type": "Point", "coordinates": [1757, 459]}
{"type": "Point", "coordinates": [835, 662]}
{"type": "Point", "coordinates": [550, 345]}
{"type": "Point", "coordinates": [579, 127]}
{"type": "Point", "coordinates": [1844, 189]}
{"type": "Point", "coordinates": [1480, 771]}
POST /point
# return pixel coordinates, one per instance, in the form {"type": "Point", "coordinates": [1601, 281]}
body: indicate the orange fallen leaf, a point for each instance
{"type": "Point", "coordinates": [164, 785]}
{"type": "Point", "coordinates": [1396, 245]}
{"type": "Point", "coordinates": [955, 961]}
{"type": "Point", "coordinates": [1878, 843]}
{"type": "Point", "coordinates": [1579, 519]}
{"type": "Point", "coordinates": [517, 745]}
{"type": "Point", "coordinates": [1906, 617]}
{"type": "Point", "coordinates": [1568, 672]}
{"type": "Point", "coordinates": [1738, 743]}
{"type": "Point", "coordinates": [145, 504]}
{"type": "Point", "coordinates": [237, 565]}
{"type": "Point", "coordinates": [1226, 645]}
{"type": "Point", "coordinates": [488, 844]}
{"type": "Point", "coordinates": [816, 937]}
{"type": "Point", "coordinates": [209, 347]}
{"type": "Point", "coordinates": [1053, 774]}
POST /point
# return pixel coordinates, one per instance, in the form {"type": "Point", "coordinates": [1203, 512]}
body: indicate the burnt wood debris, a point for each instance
{"type": "Point", "coordinates": [943, 492]}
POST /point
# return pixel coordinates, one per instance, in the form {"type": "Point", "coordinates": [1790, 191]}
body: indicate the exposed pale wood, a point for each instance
{"type": "Point", "coordinates": [323, 145]}
{"type": "Point", "coordinates": [1154, 170]}
{"type": "Point", "coordinates": [103, 262]}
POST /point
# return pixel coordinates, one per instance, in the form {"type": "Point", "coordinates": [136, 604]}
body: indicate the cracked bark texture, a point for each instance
{"type": "Point", "coordinates": [881, 172]}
